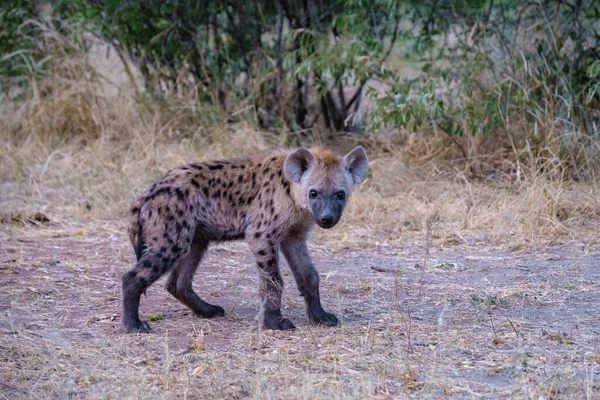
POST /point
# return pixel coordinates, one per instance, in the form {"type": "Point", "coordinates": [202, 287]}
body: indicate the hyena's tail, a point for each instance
{"type": "Point", "coordinates": [135, 229]}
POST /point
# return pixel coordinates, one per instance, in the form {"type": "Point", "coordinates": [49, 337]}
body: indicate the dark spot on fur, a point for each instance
{"type": "Point", "coordinates": [272, 176]}
{"type": "Point", "coordinates": [146, 264]}
{"type": "Point", "coordinates": [262, 252]}
{"type": "Point", "coordinates": [214, 167]}
{"type": "Point", "coordinates": [260, 265]}
{"type": "Point", "coordinates": [271, 262]}
{"type": "Point", "coordinates": [230, 184]}
{"type": "Point", "coordinates": [205, 191]}
{"type": "Point", "coordinates": [275, 217]}
{"type": "Point", "coordinates": [217, 194]}
{"type": "Point", "coordinates": [259, 224]}
{"type": "Point", "coordinates": [176, 249]}
{"type": "Point", "coordinates": [196, 166]}
{"type": "Point", "coordinates": [135, 210]}
{"type": "Point", "coordinates": [184, 168]}
{"type": "Point", "coordinates": [279, 173]}
{"type": "Point", "coordinates": [240, 179]}
{"type": "Point", "coordinates": [180, 213]}
{"type": "Point", "coordinates": [257, 235]}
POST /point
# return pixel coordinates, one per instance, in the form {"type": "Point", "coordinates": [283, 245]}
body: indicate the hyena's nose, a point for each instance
{"type": "Point", "coordinates": [327, 219]}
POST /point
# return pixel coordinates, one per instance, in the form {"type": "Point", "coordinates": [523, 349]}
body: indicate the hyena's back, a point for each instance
{"type": "Point", "coordinates": [221, 196]}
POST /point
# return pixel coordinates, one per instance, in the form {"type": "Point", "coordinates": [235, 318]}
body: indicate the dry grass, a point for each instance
{"type": "Point", "coordinates": [79, 154]}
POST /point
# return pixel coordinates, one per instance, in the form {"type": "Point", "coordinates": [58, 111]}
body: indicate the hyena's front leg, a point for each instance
{"type": "Point", "coordinates": [307, 278]}
{"type": "Point", "coordinates": [271, 283]}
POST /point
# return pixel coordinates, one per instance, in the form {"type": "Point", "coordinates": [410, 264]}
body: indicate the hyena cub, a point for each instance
{"type": "Point", "coordinates": [271, 199]}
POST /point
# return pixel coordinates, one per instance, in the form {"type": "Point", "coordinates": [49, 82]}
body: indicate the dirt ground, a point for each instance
{"type": "Point", "coordinates": [421, 319]}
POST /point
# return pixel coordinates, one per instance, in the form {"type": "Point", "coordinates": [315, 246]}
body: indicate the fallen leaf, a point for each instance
{"type": "Point", "coordinates": [199, 370]}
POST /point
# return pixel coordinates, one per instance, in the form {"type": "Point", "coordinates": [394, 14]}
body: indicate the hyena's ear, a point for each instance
{"type": "Point", "coordinates": [357, 164]}
{"type": "Point", "coordinates": [297, 163]}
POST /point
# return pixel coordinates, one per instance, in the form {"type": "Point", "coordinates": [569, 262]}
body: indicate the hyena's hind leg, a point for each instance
{"type": "Point", "coordinates": [148, 269]}
{"type": "Point", "coordinates": [157, 258]}
{"type": "Point", "coordinates": [179, 283]}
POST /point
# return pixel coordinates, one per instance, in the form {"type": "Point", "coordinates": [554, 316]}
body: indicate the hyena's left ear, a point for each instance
{"type": "Point", "coordinates": [357, 164]}
{"type": "Point", "coordinates": [297, 163]}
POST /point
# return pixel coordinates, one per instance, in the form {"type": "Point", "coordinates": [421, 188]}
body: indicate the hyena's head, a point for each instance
{"type": "Point", "coordinates": [325, 180]}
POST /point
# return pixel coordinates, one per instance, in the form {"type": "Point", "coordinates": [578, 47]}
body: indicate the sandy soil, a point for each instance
{"type": "Point", "coordinates": [458, 319]}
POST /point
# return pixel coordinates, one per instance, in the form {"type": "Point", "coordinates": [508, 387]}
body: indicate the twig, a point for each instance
{"type": "Point", "coordinates": [382, 269]}
{"type": "Point", "coordinates": [492, 323]}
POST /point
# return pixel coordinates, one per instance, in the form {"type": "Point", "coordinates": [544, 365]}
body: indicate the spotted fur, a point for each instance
{"type": "Point", "coordinates": [271, 200]}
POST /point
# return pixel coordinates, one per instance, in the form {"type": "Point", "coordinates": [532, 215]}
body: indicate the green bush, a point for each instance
{"type": "Point", "coordinates": [523, 73]}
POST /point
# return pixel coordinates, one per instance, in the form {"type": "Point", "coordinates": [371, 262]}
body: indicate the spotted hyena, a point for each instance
{"type": "Point", "coordinates": [271, 199]}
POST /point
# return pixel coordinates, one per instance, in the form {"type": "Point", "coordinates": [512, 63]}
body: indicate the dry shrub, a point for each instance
{"type": "Point", "coordinates": [79, 147]}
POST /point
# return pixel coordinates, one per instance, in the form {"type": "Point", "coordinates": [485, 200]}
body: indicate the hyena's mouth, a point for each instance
{"type": "Point", "coordinates": [327, 224]}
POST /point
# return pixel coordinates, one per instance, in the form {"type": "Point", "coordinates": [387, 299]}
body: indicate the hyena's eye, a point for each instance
{"type": "Point", "coordinates": [341, 195]}
{"type": "Point", "coordinates": [313, 194]}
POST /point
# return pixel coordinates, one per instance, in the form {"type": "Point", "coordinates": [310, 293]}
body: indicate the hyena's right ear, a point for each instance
{"type": "Point", "coordinates": [297, 163]}
{"type": "Point", "coordinates": [357, 164]}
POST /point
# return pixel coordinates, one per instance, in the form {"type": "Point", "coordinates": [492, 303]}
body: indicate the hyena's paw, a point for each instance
{"type": "Point", "coordinates": [277, 323]}
{"type": "Point", "coordinates": [325, 319]}
{"type": "Point", "coordinates": [211, 311]}
{"type": "Point", "coordinates": [134, 326]}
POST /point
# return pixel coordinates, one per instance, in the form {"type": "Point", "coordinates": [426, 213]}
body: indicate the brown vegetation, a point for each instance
{"type": "Point", "coordinates": [79, 154]}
